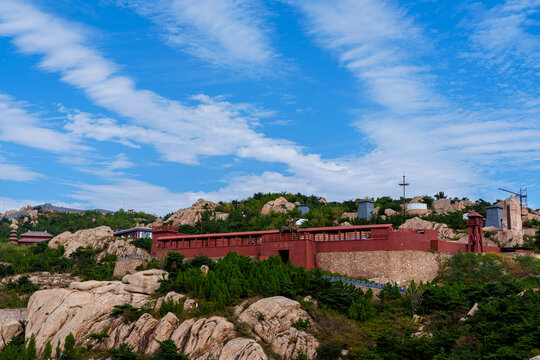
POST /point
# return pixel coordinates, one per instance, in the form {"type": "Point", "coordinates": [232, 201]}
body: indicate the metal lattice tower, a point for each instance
{"type": "Point", "coordinates": [404, 184]}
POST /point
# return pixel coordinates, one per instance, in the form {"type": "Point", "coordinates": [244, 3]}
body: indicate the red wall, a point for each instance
{"type": "Point", "coordinates": [301, 247]}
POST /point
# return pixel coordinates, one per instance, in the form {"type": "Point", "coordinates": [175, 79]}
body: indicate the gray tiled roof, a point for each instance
{"type": "Point", "coordinates": [36, 233]}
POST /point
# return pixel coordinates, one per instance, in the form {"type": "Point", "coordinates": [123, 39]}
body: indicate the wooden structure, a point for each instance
{"type": "Point", "coordinates": [476, 240]}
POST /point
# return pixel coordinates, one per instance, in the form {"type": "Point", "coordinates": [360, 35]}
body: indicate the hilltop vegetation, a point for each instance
{"type": "Point", "coordinates": [58, 222]}
{"type": "Point", "coordinates": [245, 215]}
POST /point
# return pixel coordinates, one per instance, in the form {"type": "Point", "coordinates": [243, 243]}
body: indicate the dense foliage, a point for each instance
{"type": "Point", "coordinates": [58, 222]}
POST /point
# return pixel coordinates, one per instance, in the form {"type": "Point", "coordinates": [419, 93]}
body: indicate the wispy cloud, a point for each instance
{"type": "Point", "coordinates": [229, 33]}
{"type": "Point", "coordinates": [13, 172]}
{"type": "Point", "coordinates": [371, 39]}
{"type": "Point", "coordinates": [18, 125]}
{"type": "Point", "coordinates": [502, 35]}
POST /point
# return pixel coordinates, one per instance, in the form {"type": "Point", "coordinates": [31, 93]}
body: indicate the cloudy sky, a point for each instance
{"type": "Point", "coordinates": [151, 104]}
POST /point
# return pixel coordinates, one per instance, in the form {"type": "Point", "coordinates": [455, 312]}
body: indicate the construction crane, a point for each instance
{"type": "Point", "coordinates": [522, 196]}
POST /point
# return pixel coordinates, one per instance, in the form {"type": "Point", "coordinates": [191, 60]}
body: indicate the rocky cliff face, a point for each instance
{"type": "Point", "coordinates": [10, 324]}
{"type": "Point", "coordinates": [280, 205]}
{"type": "Point", "coordinates": [97, 238]}
{"type": "Point", "coordinates": [191, 215]}
{"type": "Point", "coordinates": [85, 308]}
{"type": "Point", "coordinates": [445, 233]}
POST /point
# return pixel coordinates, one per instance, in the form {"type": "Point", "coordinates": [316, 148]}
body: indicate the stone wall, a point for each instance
{"type": "Point", "coordinates": [384, 266]}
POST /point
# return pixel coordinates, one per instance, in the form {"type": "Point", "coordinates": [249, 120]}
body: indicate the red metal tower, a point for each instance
{"type": "Point", "coordinates": [476, 240]}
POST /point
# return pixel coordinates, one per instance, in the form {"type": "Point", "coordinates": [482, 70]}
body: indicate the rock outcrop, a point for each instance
{"type": "Point", "coordinates": [145, 282]}
{"type": "Point", "coordinates": [85, 308]}
{"type": "Point", "coordinates": [349, 215]}
{"type": "Point", "coordinates": [44, 280]}
{"type": "Point", "coordinates": [271, 320]}
{"type": "Point", "coordinates": [191, 215]}
{"type": "Point", "coordinates": [10, 324]}
{"type": "Point", "coordinates": [54, 313]}
{"type": "Point", "coordinates": [280, 205]}
{"type": "Point", "coordinates": [442, 206]}
{"type": "Point", "coordinates": [96, 238]}
{"type": "Point", "coordinates": [445, 233]}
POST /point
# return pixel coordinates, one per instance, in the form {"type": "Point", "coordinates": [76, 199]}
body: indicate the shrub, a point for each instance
{"type": "Point", "coordinates": [124, 352]}
{"type": "Point", "coordinates": [301, 324]}
{"type": "Point", "coordinates": [328, 351]}
{"type": "Point", "coordinates": [143, 243]}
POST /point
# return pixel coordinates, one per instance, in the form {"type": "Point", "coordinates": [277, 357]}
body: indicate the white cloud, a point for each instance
{"type": "Point", "coordinates": [14, 172]}
{"type": "Point", "coordinates": [222, 32]}
{"type": "Point", "coordinates": [19, 126]}
{"type": "Point", "coordinates": [371, 39]}
{"type": "Point", "coordinates": [502, 38]}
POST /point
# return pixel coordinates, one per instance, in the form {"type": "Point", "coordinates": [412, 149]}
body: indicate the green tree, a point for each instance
{"type": "Point", "coordinates": [47, 352]}
{"type": "Point", "coordinates": [168, 351]}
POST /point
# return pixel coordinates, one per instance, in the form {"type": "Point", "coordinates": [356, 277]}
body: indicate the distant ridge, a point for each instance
{"type": "Point", "coordinates": [48, 206]}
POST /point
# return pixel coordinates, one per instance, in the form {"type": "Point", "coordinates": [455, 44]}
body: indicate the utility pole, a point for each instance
{"type": "Point", "coordinates": [404, 184]}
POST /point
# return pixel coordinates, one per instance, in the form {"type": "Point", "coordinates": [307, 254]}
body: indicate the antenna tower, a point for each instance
{"type": "Point", "coordinates": [522, 194]}
{"type": "Point", "coordinates": [404, 184]}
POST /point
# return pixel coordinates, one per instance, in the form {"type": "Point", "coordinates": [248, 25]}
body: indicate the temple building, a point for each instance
{"type": "Point", "coordinates": [34, 237]}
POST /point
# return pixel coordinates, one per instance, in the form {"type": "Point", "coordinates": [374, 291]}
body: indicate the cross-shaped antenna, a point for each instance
{"type": "Point", "coordinates": [404, 184]}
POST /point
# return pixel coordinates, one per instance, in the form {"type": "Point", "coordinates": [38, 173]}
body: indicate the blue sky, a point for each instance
{"type": "Point", "coordinates": [152, 104]}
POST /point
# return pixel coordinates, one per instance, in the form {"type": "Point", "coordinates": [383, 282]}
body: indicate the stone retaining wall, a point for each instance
{"type": "Point", "coordinates": [384, 266]}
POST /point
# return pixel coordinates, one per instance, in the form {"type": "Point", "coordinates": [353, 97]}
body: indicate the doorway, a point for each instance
{"type": "Point", "coordinates": [284, 255]}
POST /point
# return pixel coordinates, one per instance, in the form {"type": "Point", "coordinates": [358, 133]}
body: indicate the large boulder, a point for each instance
{"type": "Point", "coordinates": [271, 320]}
{"type": "Point", "coordinates": [442, 206]}
{"type": "Point", "coordinates": [280, 205]}
{"type": "Point", "coordinates": [445, 233]}
{"type": "Point", "coordinates": [53, 314]}
{"type": "Point", "coordinates": [145, 282]}
{"type": "Point", "coordinates": [191, 215]}
{"type": "Point", "coordinates": [10, 324]}
{"type": "Point", "coordinates": [461, 205]}
{"type": "Point", "coordinates": [201, 339]}
{"type": "Point", "coordinates": [96, 238]}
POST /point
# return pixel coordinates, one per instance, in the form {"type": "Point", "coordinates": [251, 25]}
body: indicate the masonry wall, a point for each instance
{"type": "Point", "coordinates": [384, 266]}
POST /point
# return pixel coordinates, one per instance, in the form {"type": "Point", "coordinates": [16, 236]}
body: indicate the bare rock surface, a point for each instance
{"type": "Point", "coordinates": [96, 238]}
{"type": "Point", "coordinates": [10, 324]}
{"type": "Point", "coordinates": [171, 296]}
{"type": "Point", "coordinates": [200, 339]}
{"type": "Point", "coordinates": [349, 215]}
{"type": "Point", "coordinates": [242, 348]}
{"type": "Point", "coordinates": [44, 279]}
{"type": "Point", "coordinates": [389, 212]}
{"type": "Point", "coordinates": [278, 313]}
{"type": "Point", "coordinates": [280, 205]}
{"type": "Point", "coordinates": [191, 215]}
{"type": "Point", "coordinates": [288, 343]}
{"type": "Point", "coordinates": [271, 320]}
{"type": "Point", "coordinates": [445, 233]}
{"type": "Point", "coordinates": [54, 313]}
{"type": "Point", "coordinates": [461, 205]}
{"type": "Point", "coordinates": [443, 206]}
{"type": "Point", "coordinates": [146, 282]}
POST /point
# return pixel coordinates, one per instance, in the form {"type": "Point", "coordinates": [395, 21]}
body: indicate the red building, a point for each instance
{"type": "Point", "coordinates": [301, 247]}
{"type": "Point", "coordinates": [34, 237]}
{"type": "Point", "coordinates": [13, 237]}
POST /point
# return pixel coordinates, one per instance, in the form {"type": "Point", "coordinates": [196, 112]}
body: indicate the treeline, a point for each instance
{"type": "Point", "coordinates": [507, 325]}
{"type": "Point", "coordinates": [58, 222]}
{"type": "Point", "coordinates": [245, 215]}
